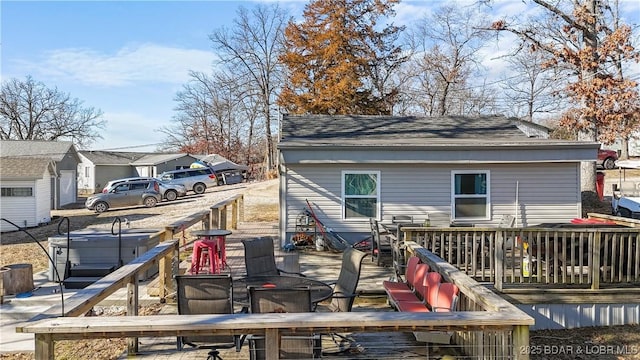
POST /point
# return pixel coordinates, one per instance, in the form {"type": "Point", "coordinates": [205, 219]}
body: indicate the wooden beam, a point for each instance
{"type": "Point", "coordinates": [303, 323]}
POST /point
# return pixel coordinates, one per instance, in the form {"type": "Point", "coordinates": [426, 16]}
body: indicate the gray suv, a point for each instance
{"type": "Point", "coordinates": [167, 191]}
{"type": "Point", "coordinates": [194, 179]}
{"type": "Point", "coordinates": [129, 193]}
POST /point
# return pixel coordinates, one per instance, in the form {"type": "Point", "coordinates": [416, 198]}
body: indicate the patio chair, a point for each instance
{"type": "Point", "coordinates": [206, 294]}
{"type": "Point", "coordinates": [407, 284]}
{"type": "Point", "coordinates": [283, 300]}
{"type": "Point", "coordinates": [259, 258]}
{"type": "Point", "coordinates": [380, 242]}
{"type": "Point", "coordinates": [443, 297]}
{"type": "Point", "coordinates": [344, 290]}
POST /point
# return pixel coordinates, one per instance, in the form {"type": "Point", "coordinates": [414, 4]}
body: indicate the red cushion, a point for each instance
{"type": "Point", "coordinates": [412, 306]}
{"type": "Point", "coordinates": [395, 286]}
{"type": "Point", "coordinates": [402, 296]}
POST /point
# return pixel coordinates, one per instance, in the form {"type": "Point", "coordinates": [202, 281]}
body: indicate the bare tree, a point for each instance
{"type": "Point", "coordinates": [250, 49]}
{"type": "Point", "coordinates": [445, 47]}
{"type": "Point", "coordinates": [534, 89]}
{"type": "Point", "coordinates": [581, 40]}
{"type": "Point", "coordinates": [29, 110]}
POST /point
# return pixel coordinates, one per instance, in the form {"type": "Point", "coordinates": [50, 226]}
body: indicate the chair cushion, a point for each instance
{"type": "Point", "coordinates": [412, 306]}
{"type": "Point", "coordinates": [402, 296]}
{"type": "Point", "coordinates": [395, 286]}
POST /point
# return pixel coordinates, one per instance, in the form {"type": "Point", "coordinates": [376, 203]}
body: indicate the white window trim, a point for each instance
{"type": "Point", "coordinates": [454, 196]}
{"type": "Point", "coordinates": [342, 194]}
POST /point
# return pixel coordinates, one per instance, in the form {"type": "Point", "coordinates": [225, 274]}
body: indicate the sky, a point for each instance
{"type": "Point", "coordinates": [130, 58]}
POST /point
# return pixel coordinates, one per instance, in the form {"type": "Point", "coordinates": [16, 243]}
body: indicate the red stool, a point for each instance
{"type": "Point", "coordinates": [203, 249]}
{"type": "Point", "coordinates": [219, 251]}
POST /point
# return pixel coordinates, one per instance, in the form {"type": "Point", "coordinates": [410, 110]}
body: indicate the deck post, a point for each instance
{"type": "Point", "coordinates": [499, 259]}
{"type": "Point", "coordinates": [234, 215]}
{"type": "Point", "coordinates": [240, 203]}
{"type": "Point", "coordinates": [272, 344]}
{"type": "Point", "coordinates": [43, 347]}
{"type": "Point", "coordinates": [206, 221]}
{"type": "Point", "coordinates": [167, 234]}
{"type": "Point", "coordinates": [214, 218]}
{"type": "Point", "coordinates": [595, 261]}
{"type": "Point", "coordinates": [132, 310]}
{"type": "Point", "coordinates": [521, 342]}
{"type": "Point", "coordinates": [222, 217]}
{"type": "Point", "coordinates": [165, 273]}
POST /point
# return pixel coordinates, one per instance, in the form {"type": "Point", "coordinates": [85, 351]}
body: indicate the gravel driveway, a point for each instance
{"type": "Point", "coordinates": [18, 247]}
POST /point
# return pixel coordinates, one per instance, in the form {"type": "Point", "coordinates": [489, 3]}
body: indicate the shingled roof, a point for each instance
{"type": "Point", "coordinates": [401, 130]}
{"type": "Point", "coordinates": [55, 150]}
{"type": "Point", "coordinates": [100, 157]}
{"type": "Point", "coordinates": [21, 168]}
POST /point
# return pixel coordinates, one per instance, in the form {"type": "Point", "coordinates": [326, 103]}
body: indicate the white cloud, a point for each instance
{"type": "Point", "coordinates": [129, 65]}
{"type": "Point", "coordinates": [128, 131]}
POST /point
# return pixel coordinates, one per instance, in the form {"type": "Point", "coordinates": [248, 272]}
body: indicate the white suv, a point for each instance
{"type": "Point", "coordinates": [194, 179]}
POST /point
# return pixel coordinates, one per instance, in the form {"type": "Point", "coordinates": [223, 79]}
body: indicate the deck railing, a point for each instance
{"type": "Point", "coordinates": [165, 255]}
{"type": "Point", "coordinates": [486, 326]}
{"type": "Point", "coordinates": [506, 342]}
{"type": "Point", "coordinates": [545, 257]}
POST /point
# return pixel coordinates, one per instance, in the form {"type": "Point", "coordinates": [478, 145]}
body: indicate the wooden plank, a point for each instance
{"type": "Point", "coordinates": [186, 325]}
{"type": "Point", "coordinates": [616, 219]}
{"type": "Point", "coordinates": [132, 310]}
{"type": "Point", "coordinates": [272, 344]}
{"type": "Point", "coordinates": [44, 347]}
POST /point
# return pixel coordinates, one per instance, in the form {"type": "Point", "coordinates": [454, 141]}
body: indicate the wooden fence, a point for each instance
{"type": "Point", "coordinates": [580, 258]}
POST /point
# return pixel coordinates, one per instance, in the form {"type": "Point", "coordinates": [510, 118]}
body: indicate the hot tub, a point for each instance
{"type": "Point", "coordinates": [98, 247]}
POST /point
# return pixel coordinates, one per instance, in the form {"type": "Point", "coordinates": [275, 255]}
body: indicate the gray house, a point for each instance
{"type": "Point", "coordinates": [25, 191]}
{"type": "Point", "coordinates": [155, 164]}
{"type": "Point", "coordinates": [64, 186]}
{"type": "Point", "coordinates": [99, 167]}
{"type": "Point", "coordinates": [454, 169]}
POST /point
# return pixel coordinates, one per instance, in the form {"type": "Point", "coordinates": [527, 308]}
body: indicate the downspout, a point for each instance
{"type": "Point", "coordinates": [516, 204]}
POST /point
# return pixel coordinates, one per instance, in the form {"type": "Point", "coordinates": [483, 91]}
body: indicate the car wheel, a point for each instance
{"type": "Point", "coordinates": [220, 182]}
{"type": "Point", "coordinates": [150, 202]}
{"type": "Point", "coordinates": [101, 207]}
{"type": "Point", "coordinates": [199, 188]}
{"type": "Point", "coordinates": [171, 195]}
{"type": "Point", "coordinates": [609, 163]}
{"type": "Point", "coordinates": [623, 212]}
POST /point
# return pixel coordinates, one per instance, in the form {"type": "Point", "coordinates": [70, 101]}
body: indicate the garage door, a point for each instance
{"type": "Point", "coordinates": [68, 190]}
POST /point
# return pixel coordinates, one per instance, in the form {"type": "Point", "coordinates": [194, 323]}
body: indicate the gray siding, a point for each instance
{"type": "Point", "coordinates": [546, 193]}
{"type": "Point", "coordinates": [561, 316]}
{"type": "Point", "coordinates": [106, 173]}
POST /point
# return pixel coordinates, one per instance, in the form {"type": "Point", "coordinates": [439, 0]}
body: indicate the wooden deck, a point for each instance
{"type": "Point", "coordinates": [323, 266]}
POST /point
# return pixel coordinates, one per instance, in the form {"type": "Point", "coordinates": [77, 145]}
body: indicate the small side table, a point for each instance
{"type": "Point", "coordinates": [219, 237]}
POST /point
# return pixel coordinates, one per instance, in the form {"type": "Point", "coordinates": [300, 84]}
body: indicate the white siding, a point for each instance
{"type": "Point", "coordinates": [546, 193]}
{"type": "Point", "coordinates": [86, 176]}
{"type": "Point", "coordinates": [42, 194]}
{"type": "Point", "coordinates": [21, 210]}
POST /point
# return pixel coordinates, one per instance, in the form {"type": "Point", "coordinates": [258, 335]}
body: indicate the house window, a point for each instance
{"type": "Point", "coordinates": [470, 196]}
{"type": "Point", "coordinates": [360, 194]}
{"type": "Point", "coordinates": [16, 191]}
